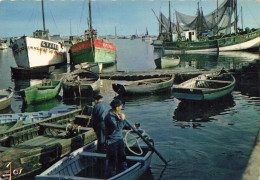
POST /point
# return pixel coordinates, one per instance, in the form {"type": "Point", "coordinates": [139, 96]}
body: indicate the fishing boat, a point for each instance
{"type": "Point", "coordinates": [80, 83]}
{"type": "Point", "coordinates": [39, 50]}
{"type": "Point", "coordinates": [167, 61]}
{"type": "Point", "coordinates": [82, 163]}
{"type": "Point", "coordinates": [207, 33]}
{"type": "Point", "coordinates": [205, 87]}
{"type": "Point", "coordinates": [145, 86]}
{"type": "Point", "coordinates": [48, 89]}
{"type": "Point", "coordinates": [3, 44]}
{"type": "Point", "coordinates": [92, 49]}
{"type": "Point", "coordinates": [6, 96]}
{"type": "Point", "coordinates": [32, 147]}
{"type": "Point", "coordinates": [30, 117]}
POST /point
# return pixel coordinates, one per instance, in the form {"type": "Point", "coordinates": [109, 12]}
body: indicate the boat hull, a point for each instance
{"type": "Point", "coordinates": [42, 92]}
{"type": "Point", "coordinates": [104, 52]}
{"type": "Point", "coordinates": [86, 84]}
{"type": "Point", "coordinates": [240, 42]}
{"type": "Point", "coordinates": [191, 46]}
{"type": "Point", "coordinates": [33, 52]}
{"type": "Point", "coordinates": [69, 168]}
{"type": "Point", "coordinates": [35, 72]}
{"type": "Point", "coordinates": [189, 90]}
{"type": "Point", "coordinates": [39, 144]}
{"type": "Point", "coordinates": [141, 87]}
{"type": "Point", "coordinates": [3, 46]}
{"type": "Point", "coordinates": [201, 95]}
{"type": "Point", "coordinates": [6, 96]}
{"type": "Point", "coordinates": [167, 62]}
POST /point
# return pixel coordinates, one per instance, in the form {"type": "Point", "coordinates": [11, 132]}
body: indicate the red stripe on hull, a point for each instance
{"type": "Point", "coordinates": [87, 44]}
{"type": "Point", "coordinates": [104, 44]}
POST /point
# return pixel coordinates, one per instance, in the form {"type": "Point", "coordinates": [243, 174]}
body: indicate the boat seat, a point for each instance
{"type": "Point", "coordinates": [217, 81]}
{"type": "Point", "coordinates": [3, 96]}
{"type": "Point", "coordinates": [84, 155]}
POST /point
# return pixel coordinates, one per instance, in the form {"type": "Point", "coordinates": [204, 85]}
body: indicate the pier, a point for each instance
{"type": "Point", "coordinates": [242, 74]}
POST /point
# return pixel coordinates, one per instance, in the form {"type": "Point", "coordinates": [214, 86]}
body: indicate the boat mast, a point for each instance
{"type": "Point", "coordinates": [90, 17]}
{"type": "Point", "coordinates": [115, 33]}
{"type": "Point", "coordinates": [217, 15]}
{"type": "Point", "coordinates": [90, 28]}
{"type": "Point", "coordinates": [241, 19]}
{"type": "Point", "coordinates": [43, 20]}
{"type": "Point", "coordinates": [170, 31]}
{"type": "Point", "coordinates": [235, 16]}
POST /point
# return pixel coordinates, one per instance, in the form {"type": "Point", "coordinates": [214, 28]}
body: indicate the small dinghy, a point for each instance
{"type": "Point", "coordinates": [82, 163]}
{"type": "Point", "coordinates": [205, 87]}
{"type": "Point", "coordinates": [6, 96]}
{"type": "Point", "coordinates": [145, 86]}
{"type": "Point", "coordinates": [80, 83]}
{"type": "Point", "coordinates": [42, 92]}
{"type": "Point", "coordinates": [167, 61]}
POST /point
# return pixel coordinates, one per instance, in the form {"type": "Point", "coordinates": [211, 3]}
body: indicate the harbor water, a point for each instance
{"type": "Point", "coordinates": [210, 140]}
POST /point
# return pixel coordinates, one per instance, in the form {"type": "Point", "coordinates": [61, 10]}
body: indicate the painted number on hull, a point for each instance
{"type": "Point", "coordinates": [49, 45]}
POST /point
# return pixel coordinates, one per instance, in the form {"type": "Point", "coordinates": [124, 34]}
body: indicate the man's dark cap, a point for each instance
{"type": "Point", "coordinates": [97, 97]}
{"type": "Point", "coordinates": [115, 103]}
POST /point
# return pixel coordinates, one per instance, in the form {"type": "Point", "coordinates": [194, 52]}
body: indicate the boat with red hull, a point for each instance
{"type": "Point", "coordinates": [92, 49]}
{"type": "Point", "coordinates": [99, 51]}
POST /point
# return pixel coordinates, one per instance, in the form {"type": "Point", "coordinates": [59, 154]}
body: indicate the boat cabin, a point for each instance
{"type": "Point", "coordinates": [88, 34]}
{"type": "Point", "coordinates": [190, 35]}
{"type": "Point", "coordinates": [42, 34]}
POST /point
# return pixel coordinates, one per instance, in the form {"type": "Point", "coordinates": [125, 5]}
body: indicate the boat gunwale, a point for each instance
{"type": "Point", "coordinates": [76, 157]}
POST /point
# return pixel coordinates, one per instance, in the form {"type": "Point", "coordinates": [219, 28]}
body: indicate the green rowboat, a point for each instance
{"type": "Point", "coordinates": [42, 92]}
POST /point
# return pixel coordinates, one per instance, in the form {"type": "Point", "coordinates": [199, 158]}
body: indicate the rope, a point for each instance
{"type": "Point", "coordinates": [137, 139]}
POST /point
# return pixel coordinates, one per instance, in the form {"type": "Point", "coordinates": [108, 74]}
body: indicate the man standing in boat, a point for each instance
{"type": "Point", "coordinates": [98, 115]}
{"type": "Point", "coordinates": [116, 156]}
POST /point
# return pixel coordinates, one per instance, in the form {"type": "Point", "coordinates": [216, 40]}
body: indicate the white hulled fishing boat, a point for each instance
{"type": "Point", "coordinates": [39, 50]}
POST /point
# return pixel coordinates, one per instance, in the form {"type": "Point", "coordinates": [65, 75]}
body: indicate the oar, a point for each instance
{"type": "Point", "coordinates": [147, 142]}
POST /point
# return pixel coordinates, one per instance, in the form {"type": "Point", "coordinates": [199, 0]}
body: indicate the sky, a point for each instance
{"type": "Point", "coordinates": [70, 17]}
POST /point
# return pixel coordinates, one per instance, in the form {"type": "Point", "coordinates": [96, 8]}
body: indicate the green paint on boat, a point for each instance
{"type": "Point", "coordinates": [103, 56]}
{"type": "Point", "coordinates": [42, 92]}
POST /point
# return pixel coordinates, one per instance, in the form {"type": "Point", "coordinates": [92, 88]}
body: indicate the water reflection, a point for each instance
{"type": "Point", "coordinates": [7, 111]}
{"type": "Point", "coordinates": [45, 106]}
{"type": "Point", "coordinates": [21, 84]}
{"type": "Point", "coordinates": [197, 112]}
{"type": "Point", "coordinates": [229, 60]}
{"type": "Point", "coordinates": [80, 102]}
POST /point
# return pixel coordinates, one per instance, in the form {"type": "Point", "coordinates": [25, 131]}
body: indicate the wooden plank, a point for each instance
{"type": "Point", "coordinates": [54, 126]}
{"type": "Point", "coordinates": [217, 81]}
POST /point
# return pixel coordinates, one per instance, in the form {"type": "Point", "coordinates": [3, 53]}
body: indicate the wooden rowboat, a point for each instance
{"type": "Point", "coordinates": [42, 92]}
{"type": "Point", "coordinates": [145, 86]}
{"type": "Point", "coordinates": [6, 96]}
{"type": "Point", "coordinates": [30, 148]}
{"type": "Point", "coordinates": [11, 121]}
{"type": "Point", "coordinates": [81, 83]}
{"type": "Point", "coordinates": [82, 164]}
{"type": "Point", "coordinates": [167, 61]}
{"type": "Point", "coordinates": [205, 87]}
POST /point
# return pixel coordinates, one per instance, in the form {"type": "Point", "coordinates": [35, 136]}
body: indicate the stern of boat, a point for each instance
{"type": "Point", "coordinates": [118, 88]}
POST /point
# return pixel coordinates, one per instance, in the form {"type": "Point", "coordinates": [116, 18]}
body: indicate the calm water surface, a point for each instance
{"type": "Point", "coordinates": [200, 140]}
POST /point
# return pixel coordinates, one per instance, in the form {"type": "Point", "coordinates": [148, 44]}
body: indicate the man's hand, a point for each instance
{"type": "Point", "coordinates": [122, 116]}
